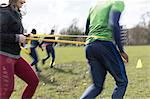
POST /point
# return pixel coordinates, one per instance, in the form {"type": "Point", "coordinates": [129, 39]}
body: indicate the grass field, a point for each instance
{"type": "Point", "coordinates": [70, 77]}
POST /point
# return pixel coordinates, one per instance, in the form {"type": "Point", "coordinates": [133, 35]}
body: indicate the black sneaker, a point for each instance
{"type": "Point", "coordinates": [38, 70]}
{"type": "Point", "coordinates": [51, 66]}
{"type": "Point", "coordinates": [43, 61]}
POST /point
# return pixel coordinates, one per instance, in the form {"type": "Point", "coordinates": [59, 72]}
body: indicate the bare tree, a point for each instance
{"type": "Point", "coordinates": [73, 29]}
{"type": "Point", "coordinates": [140, 34]}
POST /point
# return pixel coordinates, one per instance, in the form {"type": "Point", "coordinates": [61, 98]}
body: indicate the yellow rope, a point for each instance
{"type": "Point", "coordinates": [25, 50]}
{"type": "Point", "coordinates": [83, 36]}
{"type": "Point", "coordinates": [58, 41]}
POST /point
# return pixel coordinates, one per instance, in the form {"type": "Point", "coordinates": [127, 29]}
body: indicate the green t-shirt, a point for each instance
{"type": "Point", "coordinates": [99, 19]}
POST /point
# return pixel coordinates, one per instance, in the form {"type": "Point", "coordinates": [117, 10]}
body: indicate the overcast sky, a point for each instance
{"type": "Point", "coordinates": [44, 14]}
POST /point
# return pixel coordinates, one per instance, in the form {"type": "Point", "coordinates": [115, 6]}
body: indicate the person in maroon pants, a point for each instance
{"type": "Point", "coordinates": [11, 63]}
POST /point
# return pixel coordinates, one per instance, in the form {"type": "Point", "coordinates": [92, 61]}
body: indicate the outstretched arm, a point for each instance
{"type": "Point", "coordinates": [114, 23]}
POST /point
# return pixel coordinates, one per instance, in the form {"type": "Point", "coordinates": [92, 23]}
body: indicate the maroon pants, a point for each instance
{"type": "Point", "coordinates": [9, 67]}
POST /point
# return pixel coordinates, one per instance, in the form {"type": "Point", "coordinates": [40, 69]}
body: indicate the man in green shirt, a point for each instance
{"type": "Point", "coordinates": [102, 54]}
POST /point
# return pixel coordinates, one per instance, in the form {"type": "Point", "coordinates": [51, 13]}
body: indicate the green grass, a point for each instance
{"type": "Point", "coordinates": [70, 77]}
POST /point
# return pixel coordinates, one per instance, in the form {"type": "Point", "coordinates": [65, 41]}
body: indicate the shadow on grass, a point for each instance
{"type": "Point", "coordinates": [65, 71]}
{"type": "Point", "coordinates": [51, 75]}
{"type": "Point", "coordinates": [48, 79]}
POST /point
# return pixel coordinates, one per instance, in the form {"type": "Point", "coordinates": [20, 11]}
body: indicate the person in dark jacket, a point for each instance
{"type": "Point", "coordinates": [50, 49]}
{"type": "Point", "coordinates": [11, 63]}
{"type": "Point", "coordinates": [33, 52]}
